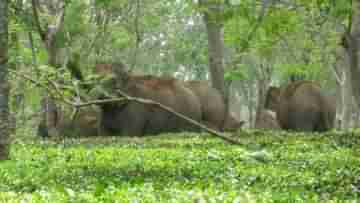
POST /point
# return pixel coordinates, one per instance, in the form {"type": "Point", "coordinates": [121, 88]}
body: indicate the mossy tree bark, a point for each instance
{"type": "Point", "coordinates": [351, 43]}
{"type": "Point", "coordinates": [4, 84]}
{"type": "Point", "coordinates": [49, 37]}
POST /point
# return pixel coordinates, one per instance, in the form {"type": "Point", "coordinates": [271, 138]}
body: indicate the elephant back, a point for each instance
{"type": "Point", "coordinates": [169, 92]}
{"type": "Point", "coordinates": [304, 106]}
{"type": "Point", "coordinates": [212, 104]}
{"type": "Point", "coordinates": [289, 90]}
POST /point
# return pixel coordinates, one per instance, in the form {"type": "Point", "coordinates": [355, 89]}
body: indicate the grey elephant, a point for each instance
{"type": "Point", "coordinates": [136, 119]}
{"type": "Point", "coordinates": [266, 119]}
{"type": "Point", "coordinates": [213, 107]}
{"type": "Point", "coordinates": [302, 106]}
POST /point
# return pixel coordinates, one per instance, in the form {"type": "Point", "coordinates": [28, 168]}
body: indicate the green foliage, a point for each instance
{"type": "Point", "coordinates": [276, 167]}
{"type": "Point", "coordinates": [237, 74]}
{"type": "Point", "coordinates": [298, 39]}
{"type": "Point", "coordinates": [339, 8]}
{"type": "Point", "coordinates": [120, 38]}
{"type": "Point", "coordinates": [75, 19]}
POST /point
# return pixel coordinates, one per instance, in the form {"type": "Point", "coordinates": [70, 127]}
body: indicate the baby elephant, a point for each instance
{"type": "Point", "coordinates": [266, 120]}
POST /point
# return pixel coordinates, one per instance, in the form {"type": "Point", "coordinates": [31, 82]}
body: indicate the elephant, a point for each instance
{"type": "Point", "coordinates": [232, 123]}
{"type": "Point", "coordinates": [266, 119]}
{"type": "Point", "coordinates": [136, 119]}
{"type": "Point", "coordinates": [301, 106]}
{"type": "Point", "coordinates": [85, 123]}
{"type": "Point", "coordinates": [213, 107]}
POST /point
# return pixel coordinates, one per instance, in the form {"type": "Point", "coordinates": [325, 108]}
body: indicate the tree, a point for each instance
{"type": "Point", "coordinates": [352, 45]}
{"type": "Point", "coordinates": [213, 18]}
{"type": "Point", "coordinates": [343, 79]}
{"type": "Point", "coordinates": [4, 84]}
{"type": "Point", "coordinates": [50, 36]}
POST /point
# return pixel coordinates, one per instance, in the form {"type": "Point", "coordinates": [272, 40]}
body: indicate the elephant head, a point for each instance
{"type": "Point", "coordinates": [266, 119]}
{"type": "Point", "coordinates": [272, 100]}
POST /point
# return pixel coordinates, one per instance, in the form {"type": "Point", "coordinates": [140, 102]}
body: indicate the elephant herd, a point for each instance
{"type": "Point", "coordinates": [300, 105]}
{"type": "Point", "coordinates": [197, 100]}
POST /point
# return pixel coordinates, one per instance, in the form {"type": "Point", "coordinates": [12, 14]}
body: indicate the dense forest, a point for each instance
{"type": "Point", "coordinates": [179, 100]}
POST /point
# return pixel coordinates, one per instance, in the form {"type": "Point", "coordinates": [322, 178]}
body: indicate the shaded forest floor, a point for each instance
{"type": "Point", "coordinates": [187, 167]}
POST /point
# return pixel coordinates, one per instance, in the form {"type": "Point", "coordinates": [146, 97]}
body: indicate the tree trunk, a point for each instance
{"type": "Point", "coordinates": [345, 89]}
{"type": "Point", "coordinates": [355, 114]}
{"type": "Point", "coordinates": [214, 26]}
{"type": "Point", "coordinates": [347, 98]}
{"type": "Point", "coordinates": [4, 84]}
{"type": "Point", "coordinates": [263, 81]}
{"type": "Point", "coordinates": [352, 46]}
{"type": "Point", "coordinates": [49, 38]}
{"type": "Point", "coordinates": [261, 91]}
{"type": "Point", "coordinates": [252, 105]}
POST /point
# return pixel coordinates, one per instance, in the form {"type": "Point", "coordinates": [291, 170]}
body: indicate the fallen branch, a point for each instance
{"type": "Point", "coordinates": [179, 115]}
{"type": "Point", "coordinates": [126, 98]}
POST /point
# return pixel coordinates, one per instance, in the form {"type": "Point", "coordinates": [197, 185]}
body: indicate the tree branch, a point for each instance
{"type": "Point", "coordinates": [59, 23]}
{"type": "Point", "coordinates": [265, 5]}
{"type": "Point", "coordinates": [37, 21]}
{"type": "Point", "coordinates": [58, 96]}
{"type": "Point", "coordinates": [137, 34]}
{"type": "Point", "coordinates": [340, 80]}
{"type": "Point", "coordinates": [179, 115]}
{"type": "Point", "coordinates": [126, 98]}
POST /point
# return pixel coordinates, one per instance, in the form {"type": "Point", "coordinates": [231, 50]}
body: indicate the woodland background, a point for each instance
{"type": "Point", "coordinates": [250, 45]}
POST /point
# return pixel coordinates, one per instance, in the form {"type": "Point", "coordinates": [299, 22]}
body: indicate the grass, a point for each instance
{"type": "Point", "coordinates": [269, 167]}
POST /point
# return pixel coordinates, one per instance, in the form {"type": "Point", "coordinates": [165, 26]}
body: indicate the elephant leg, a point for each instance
{"type": "Point", "coordinates": [132, 120]}
{"type": "Point", "coordinates": [325, 123]}
{"type": "Point", "coordinates": [302, 121]}
{"type": "Point", "coordinates": [133, 127]}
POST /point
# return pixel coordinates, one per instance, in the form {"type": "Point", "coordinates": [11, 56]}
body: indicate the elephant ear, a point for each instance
{"type": "Point", "coordinates": [272, 98]}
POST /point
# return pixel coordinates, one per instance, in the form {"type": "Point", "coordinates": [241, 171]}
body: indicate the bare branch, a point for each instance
{"type": "Point", "coordinates": [57, 96]}
{"type": "Point", "coordinates": [137, 34]}
{"type": "Point", "coordinates": [100, 101]}
{"type": "Point", "coordinates": [99, 34]}
{"type": "Point", "coordinates": [54, 29]}
{"type": "Point", "coordinates": [37, 21]}
{"type": "Point", "coordinates": [127, 98]}
{"type": "Point", "coordinates": [179, 115]}
{"type": "Point", "coordinates": [32, 45]}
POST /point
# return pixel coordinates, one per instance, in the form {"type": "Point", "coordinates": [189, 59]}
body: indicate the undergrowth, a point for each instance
{"type": "Point", "coordinates": [187, 167]}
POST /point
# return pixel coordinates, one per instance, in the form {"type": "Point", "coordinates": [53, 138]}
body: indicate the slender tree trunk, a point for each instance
{"type": "Point", "coordinates": [50, 112]}
{"type": "Point", "coordinates": [355, 115]}
{"type": "Point", "coordinates": [252, 105]}
{"type": "Point", "coordinates": [263, 81]}
{"type": "Point", "coordinates": [347, 100]}
{"type": "Point", "coordinates": [345, 89]}
{"type": "Point", "coordinates": [49, 108]}
{"type": "Point", "coordinates": [261, 91]}
{"type": "Point", "coordinates": [352, 46]}
{"type": "Point", "coordinates": [4, 84]}
{"type": "Point", "coordinates": [214, 26]}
